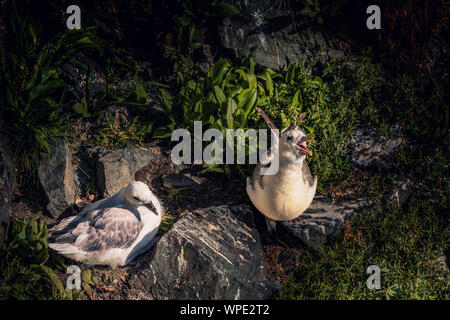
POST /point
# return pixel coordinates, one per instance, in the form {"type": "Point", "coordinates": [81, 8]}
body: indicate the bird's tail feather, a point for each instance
{"type": "Point", "coordinates": [68, 223]}
{"type": "Point", "coordinates": [65, 248]}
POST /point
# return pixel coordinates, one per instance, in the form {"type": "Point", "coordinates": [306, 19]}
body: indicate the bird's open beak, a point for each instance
{"type": "Point", "coordinates": [301, 145]}
{"type": "Point", "coordinates": [151, 207]}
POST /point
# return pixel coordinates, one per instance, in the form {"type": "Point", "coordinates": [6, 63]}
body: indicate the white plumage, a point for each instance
{"type": "Point", "coordinates": [288, 193]}
{"type": "Point", "coordinates": [111, 231]}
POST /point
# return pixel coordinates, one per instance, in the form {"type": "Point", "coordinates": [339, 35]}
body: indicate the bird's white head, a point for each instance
{"type": "Point", "coordinates": [292, 140]}
{"type": "Point", "coordinates": [138, 194]}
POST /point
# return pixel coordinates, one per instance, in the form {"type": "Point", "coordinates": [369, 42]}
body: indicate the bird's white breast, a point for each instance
{"type": "Point", "coordinates": [150, 228]}
{"type": "Point", "coordinates": [284, 197]}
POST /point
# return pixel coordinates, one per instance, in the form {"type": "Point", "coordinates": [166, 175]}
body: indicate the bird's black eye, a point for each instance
{"type": "Point", "coordinates": [136, 198]}
{"type": "Point", "coordinates": [289, 138]}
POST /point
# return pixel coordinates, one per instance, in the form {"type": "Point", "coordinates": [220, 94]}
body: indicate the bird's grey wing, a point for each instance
{"type": "Point", "coordinates": [67, 230]}
{"type": "Point", "coordinates": [105, 203]}
{"type": "Point", "coordinates": [257, 177]}
{"type": "Point", "coordinates": [64, 228]}
{"type": "Point", "coordinates": [113, 228]}
{"type": "Point", "coordinates": [306, 174]}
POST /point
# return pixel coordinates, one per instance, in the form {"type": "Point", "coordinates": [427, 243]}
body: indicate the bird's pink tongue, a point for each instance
{"type": "Point", "coordinates": [302, 147]}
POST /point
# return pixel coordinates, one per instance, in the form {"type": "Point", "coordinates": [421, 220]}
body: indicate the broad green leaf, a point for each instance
{"type": "Point", "coordinates": [50, 274]}
{"type": "Point", "coordinates": [230, 111]}
{"type": "Point", "coordinates": [234, 91]}
{"type": "Point", "coordinates": [80, 108]}
{"type": "Point", "coordinates": [220, 96]}
{"type": "Point", "coordinates": [166, 99]}
{"type": "Point", "coordinates": [86, 276]}
{"type": "Point", "coordinates": [140, 90]}
{"type": "Point", "coordinates": [223, 10]}
{"type": "Point", "coordinates": [44, 89]}
{"type": "Point", "coordinates": [269, 83]}
{"type": "Point", "coordinates": [218, 70]}
{"type": "Point", "coordinates": [247, 101]}
{"type": "Point", "coordinates": [251, 80]}
{"type": "Point", "coordinates": [297, 99]}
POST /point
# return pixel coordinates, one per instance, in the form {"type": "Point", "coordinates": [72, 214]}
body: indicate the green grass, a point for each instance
{"type": "Point", "coordinates": [403, 242]}
{"type": "Point", "coordinates": [118, 135]}
{"type": "Point", "coordinates": [166, 223]}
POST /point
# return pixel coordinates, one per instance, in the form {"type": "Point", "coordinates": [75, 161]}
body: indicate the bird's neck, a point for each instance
{"type": "Point", "coordinates": [290, 161]}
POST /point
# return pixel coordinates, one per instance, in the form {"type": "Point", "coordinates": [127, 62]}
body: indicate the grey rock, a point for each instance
{"type": "Point", "coordinates": [401, 193]}
{"type": "Point", "coordinates": [210, 253]}
{"type": "Point", "coordinates": [323, 218]}
{"type": "Point", "coordinates": [275, 39]}
{"type": "Point", "coordinates": [116, 169]}
{"type": "Point", "coordinates": [179, 180]}
{"type": "Point", "coordinates": [371, 151]}
{"type": "Point", "coordinates": [56, 176]}
{"type": "Point", "coordinates": [7, 183]}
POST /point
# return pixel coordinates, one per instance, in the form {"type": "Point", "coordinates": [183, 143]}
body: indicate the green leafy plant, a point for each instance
{"type": "Point", "coordinates": [227, 96]}
{"type": "Point", "coordinates": [222, 99]}
{"type": "Point", "coordinates": [24, 260]}
{"type": "Point", "coordinates": [33, 91]}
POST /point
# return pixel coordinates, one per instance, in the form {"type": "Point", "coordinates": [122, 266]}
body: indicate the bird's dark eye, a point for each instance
{"type": "Point", "coordinates": [289, 138]}
{"type": "Point", "coordinates": [136, 198]}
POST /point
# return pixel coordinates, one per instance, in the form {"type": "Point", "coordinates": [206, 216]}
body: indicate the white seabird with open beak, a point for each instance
{"type": "Point", "coordinates": [288, 193]}
{"type": "Point", "coordinates": [111, 231]}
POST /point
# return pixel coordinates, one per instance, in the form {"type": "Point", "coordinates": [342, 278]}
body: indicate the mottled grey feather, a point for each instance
{"type": "Point", "coordinates": [306, 174]}
{"type": "Point", "coordinates": [59, 232]}
{"type": "Point", "coordinates": [110, 228]}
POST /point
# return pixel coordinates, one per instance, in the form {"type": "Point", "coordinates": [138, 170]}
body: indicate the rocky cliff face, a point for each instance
{"type": "Point", "coordinates": [276, 38]}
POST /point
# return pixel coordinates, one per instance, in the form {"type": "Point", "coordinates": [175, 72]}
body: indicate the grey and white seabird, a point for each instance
{"type": "Point", "coordinates": [111, 231]}
{"type": "Point", "coordinates": [288, 193]}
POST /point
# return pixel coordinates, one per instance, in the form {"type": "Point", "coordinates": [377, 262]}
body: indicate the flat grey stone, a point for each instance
{"type": "Point", "coordinates": [179, 180]}
{"type": "Point", "coordinates": [323, 218]}
{"type": "Point", "coordinates": [370, 151]}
